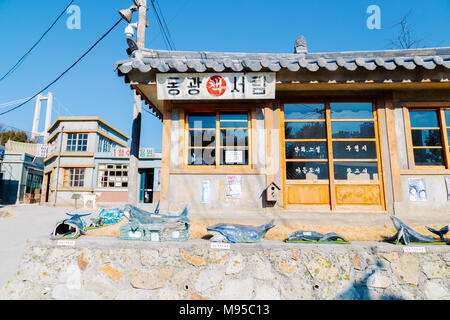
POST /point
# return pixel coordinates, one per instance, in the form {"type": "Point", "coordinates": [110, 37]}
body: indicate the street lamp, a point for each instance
{"type": "Point", "coordinates": [127, 14]}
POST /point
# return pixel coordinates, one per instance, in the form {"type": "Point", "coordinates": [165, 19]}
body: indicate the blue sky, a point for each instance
{"type": "Point", "coordinates": [92, 88]}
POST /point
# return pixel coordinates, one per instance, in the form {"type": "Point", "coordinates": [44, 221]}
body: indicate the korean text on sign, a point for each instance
{"type": "Point", "coordinates": [224, 86]}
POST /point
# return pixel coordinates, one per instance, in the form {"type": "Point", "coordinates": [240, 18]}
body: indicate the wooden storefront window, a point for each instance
{"type": "Point", "coordinates": [331, 156]}
{"type": "Point", "coordinates": [218, 139]}
{"type": "Point", "coordinates": [74, 177]}
{"type": "Point", "coordinates": [427, 133]}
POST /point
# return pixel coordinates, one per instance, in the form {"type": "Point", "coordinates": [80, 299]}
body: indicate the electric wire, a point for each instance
{"type": "Point", "coordinates": [180, 9]}
{"type": "Point", "coordinates": [168, 43]}
{"type": "Point", "coordinates": [67, 70]}
{"type": "Point", "coordinates": [19, 62]}
{"type": "Point", "coordinates": [165, 25]}
{"type": "Point", "coordinates": [158, 20]}
{"type": "Point", "coordinates": [151, 113]}
{"type": "Point", "coordinates": [12, 103]}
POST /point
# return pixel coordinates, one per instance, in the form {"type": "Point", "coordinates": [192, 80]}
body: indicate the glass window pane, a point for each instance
{"type": "Point", "coordinates": [428, 157]}
{"type": "Point", "coordinates": [202, 157]}
{"type": "Point", "coordinates": [424, 119]}
{"type": "Point", "coordinates": [234, 138]}
{"type": "Point", "coordinates": [202, 121]}
{"type": "Point", "coordinates": [356, 171]}
{"type": "Point", "coordinates": [233, 120]}
{"type": "Point", "coordinates": [307, 170]}
{"type": "Point", "coordinates": [234, 156]}
{"type": "Point", "coordinates": [355, 130]}
{"type": "Point", "coordinates": [348, 110]}
{"type": "Point", "coordinates": [306, 150]}
{"type": "Point", "coordinates": [202, 138]}
{"type": "Point", "coordinates": [426, 138]}
{"type": "Point", "coordinates": [354, 150]}
{"type": "Point", "coordinates": [447, 117]}
{"type": "Point", "coordinates": [305, 130]}
{"type": "Point", "coordinates": [304, 111]}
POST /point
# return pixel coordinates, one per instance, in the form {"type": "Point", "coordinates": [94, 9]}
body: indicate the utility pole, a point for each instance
{"type": "Point", "coordinates": [137, 113]}
{"type": "Point", "coordinates": [61, 137]}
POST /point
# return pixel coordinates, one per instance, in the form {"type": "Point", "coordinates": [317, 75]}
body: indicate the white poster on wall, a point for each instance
{"type": "Point", "coordinates": [417, 189]}
{"type": "Point", "coordinates": [233, 187]}
{"type": "Point", "coordinates": [205, 191]}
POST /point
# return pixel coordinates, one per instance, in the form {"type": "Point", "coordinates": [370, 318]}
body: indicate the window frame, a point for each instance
{"type": "Point", "coordinates": [68, 180]}
{"type": "Point", "coordinates": [443, 127]}
{"type": "Point", "coordinates": [77, 141]}
{"type": "Point", "coordinates": [218, 147]}
{"type": "Point", "coordinates": [109, 170]}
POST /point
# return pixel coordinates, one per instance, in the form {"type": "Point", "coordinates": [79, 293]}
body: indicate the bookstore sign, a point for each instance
{"type": "Point", "coordinates": [216, 86]}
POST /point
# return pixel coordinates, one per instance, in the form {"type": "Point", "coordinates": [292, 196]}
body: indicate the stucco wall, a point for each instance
{"type": "Point", "coordinates": [187, 190]}
{"type": "Point", "coordinates": [437, 203]}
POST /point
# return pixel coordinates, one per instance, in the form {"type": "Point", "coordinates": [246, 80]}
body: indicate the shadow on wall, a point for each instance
{"type": "Point", "coordinates": [10, 188]}
{"type": "Point", "coordinates": [360, 291]}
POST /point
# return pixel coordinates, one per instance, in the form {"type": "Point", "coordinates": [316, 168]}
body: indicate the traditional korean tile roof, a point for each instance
{"type": "Point", "coordinates": [162, 61]}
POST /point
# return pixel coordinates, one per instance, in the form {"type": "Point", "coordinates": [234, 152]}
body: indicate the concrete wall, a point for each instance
{"type": "Point", "coordinates": [187, 190]}
{"type": "Point", "coordinates": [436, 205]}
{"type": "Point", "coordinates": [108, 269]}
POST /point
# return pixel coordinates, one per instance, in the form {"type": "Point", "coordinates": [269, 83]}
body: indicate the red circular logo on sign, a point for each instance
{"type": "Point", "coordinates": [216, 86]}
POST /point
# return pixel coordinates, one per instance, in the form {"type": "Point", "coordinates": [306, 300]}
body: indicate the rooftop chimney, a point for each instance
{"type": "Point", "coordinates": [300, 45]}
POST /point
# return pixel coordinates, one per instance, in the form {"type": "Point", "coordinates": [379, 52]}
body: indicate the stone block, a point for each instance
{"type": "Point", "coordinates": [287, 268]}
{"type": "Point", "coordinates": [194, 260]}
{"type": "Point", "coordinates": [236, 289]}
{"type": "Point", "coordinates": [260, 268]}
{"type": "Point", "coordinates": [149, 257]}
{"type": "Point", "coordinates": [406, 269]}
{"type": "Point", "coordinates": [266, 292]}
{"type": "Point", "coordinates": [150, 279]}
{"type": "Point", "coordinates": [111, 272]}
{"type": "Point", "coordinates": [321, 268]}
{"type": "Point", "coordinates": [435, 268]}
{"type": "Point", "coordinates": [379, 280]}
{"type": "Point", "coordinates": [207, 279]}
{"type": "Point", "coordinates": [235, 264]}
{"type": "Point", "coordinates": [433, 290]}
{"type": "Point", "coordinates": [296, 289]}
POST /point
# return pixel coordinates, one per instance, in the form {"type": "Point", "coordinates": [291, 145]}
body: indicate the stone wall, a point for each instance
{"type": "Point", "coordinates": [105, 268]}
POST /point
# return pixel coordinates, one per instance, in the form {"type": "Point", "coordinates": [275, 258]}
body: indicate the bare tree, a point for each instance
{"type": "Point", "coordinates": [406, 38]}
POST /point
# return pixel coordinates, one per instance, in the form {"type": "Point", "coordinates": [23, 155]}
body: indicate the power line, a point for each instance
{"type": "Point", "coordinates": [180, 8]}
{"type": "Point", "coordinates": [165, 25]}
{"type": "Point", "coordinates": [151, 113]}
{"type": "Point", "coordinates": [11, 103]}
{"type": "Point", "coordinates": [18, 63]}
{"type": "Point", "coordinates": [67, 70]}
{"type": "Point", "coordinates": [164, 30]}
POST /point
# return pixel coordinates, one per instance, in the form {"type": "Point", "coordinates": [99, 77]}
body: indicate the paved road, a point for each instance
{"type": "Point", "coordinates": [25, 222]}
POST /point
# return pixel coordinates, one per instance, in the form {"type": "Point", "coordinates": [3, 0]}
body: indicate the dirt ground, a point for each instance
{"type": "Point", "coordinates": [281, 231]}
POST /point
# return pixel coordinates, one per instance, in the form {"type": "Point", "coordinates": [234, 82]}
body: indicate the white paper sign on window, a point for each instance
{"type": "Point", "coordinates": [234, 157]}
{"type": "Point", "coordinates": [221, 86]}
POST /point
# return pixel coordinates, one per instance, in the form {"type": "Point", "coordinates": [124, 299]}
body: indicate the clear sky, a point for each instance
{"type": "Point", "coordinates": [92, 88]}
